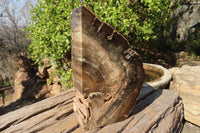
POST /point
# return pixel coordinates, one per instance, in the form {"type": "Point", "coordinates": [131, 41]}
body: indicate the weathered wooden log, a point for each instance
{"type": "Point", "coordinates": [54, 114]}
{"type": "Point", "coordinates": [107, 73]}
{"type": "Point", "coordinates": [156, 111]}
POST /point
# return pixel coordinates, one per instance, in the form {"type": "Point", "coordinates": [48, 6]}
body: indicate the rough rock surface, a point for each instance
{"type": "Point", "coordinates": [188, 18]}
{"type": "Point", "coordinates": [20, 76]}
{"type": "Point", "coordinates": [24, 77]}
{"type": "Point", "coordinates": [184, 58]}
{"type": "Point", "coordinates": [31, 81]}
{"type": "Point", "coordinates": [156, 111]}
{"type": "Point", "coordinates": [186, 81]}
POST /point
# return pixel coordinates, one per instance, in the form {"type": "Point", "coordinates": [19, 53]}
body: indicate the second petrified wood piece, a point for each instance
{"type": "Point", "coordinates": [107, 73]}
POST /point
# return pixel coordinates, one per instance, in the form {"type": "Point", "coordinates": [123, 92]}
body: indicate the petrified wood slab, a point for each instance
{"type": "Point", "coordinates": [156, 111]}
{"type": "Point", "coordinates": [107, 73]}
{"type": "Point", "coordinates": [159, 112]}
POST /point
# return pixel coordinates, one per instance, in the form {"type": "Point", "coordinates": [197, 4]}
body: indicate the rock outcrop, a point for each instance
{"type": "Point", "coordinates": [30, 81]}
{"type": "Point", "coordinates": [24, 78]}
{"type": "Point", "coordinates": [186, 81]}
{"type": "Point", "coordinates": [188, 18]}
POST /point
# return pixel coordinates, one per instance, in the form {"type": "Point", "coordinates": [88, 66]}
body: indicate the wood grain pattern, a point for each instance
{"type": "Point", "coordinates": [107, 73]}
{"type": "Point", "coordinates": [156, 111]}
{"type": "Point", "coordinates": [54, 114]}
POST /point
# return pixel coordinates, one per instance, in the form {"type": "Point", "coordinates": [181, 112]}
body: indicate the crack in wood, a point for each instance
{"type": "Point", "coordinates": [100, 27]}
{"type": "Point", "coordinates": [42, 128]}
{"type": "Point", "coordinates": [38, 112]}
{"type": "Point", "coordinates": [8, 125]}
{"type": "Point", "coordinates": [111, 36]}
{"type": "Point", "coordinates": [65, 115]}
{"type": "Point", "coordinates": [40, 123]}
{"type": "Point", "coordinates": [71, 129]}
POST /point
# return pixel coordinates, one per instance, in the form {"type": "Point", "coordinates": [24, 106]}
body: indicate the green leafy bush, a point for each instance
{"type": "Point", "coordinates": [193, 47]}
{"type": "Point", "coordinates": [51, 35]}
{"type": "Point", "coordinates": [140, 21]}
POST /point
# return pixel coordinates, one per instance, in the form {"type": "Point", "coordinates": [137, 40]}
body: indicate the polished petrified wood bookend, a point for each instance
{"type": "Point", "coordinates": [107, 73]}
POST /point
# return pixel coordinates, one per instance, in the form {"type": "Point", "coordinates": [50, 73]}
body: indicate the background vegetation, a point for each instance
{"type": "Point", "coordinates": [192, 45]}
{"type": "Point", "coordinates": [145, 23]}
{"type": "Point", "coordinates": [142, 22]}
{"type": "Point", "coordinates": [13, 38]}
